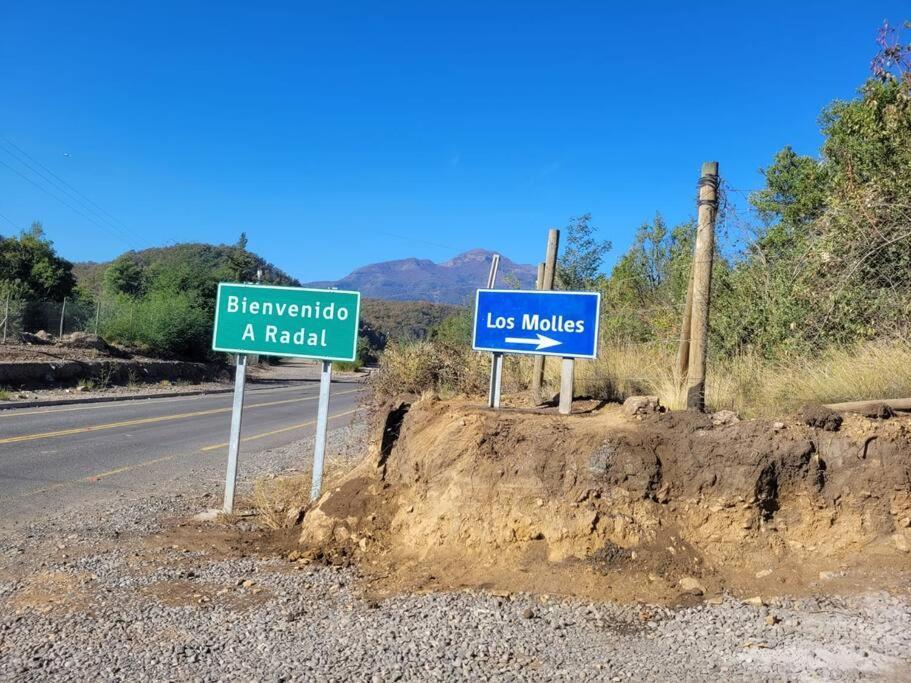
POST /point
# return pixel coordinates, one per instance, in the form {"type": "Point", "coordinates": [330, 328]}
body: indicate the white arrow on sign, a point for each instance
{"type": "Point", "coordinates": [541, 342]}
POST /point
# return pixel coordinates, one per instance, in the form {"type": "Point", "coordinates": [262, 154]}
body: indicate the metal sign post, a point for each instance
{"type": "Point", "coordinates": [322, 419]}
{"type": "Point", "coordinates": [496, 379]}
{"type": "Point", "coordinates": [284, 321]}
{"type": "Point", "coordinates": [496, 359]}
{"type": "Point", "coordinates": [240, 379]}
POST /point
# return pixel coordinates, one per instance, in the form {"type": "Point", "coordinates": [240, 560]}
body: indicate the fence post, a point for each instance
{"type": "Point", "coordinates": [97, 314]}
{"type": "Point", "coordinates": [6, 317]}
{"type": "Point", "coordinates": [702, 285]}
{"type": "Point", "coordinates": [547, 283]}
{"type": "Point", "coordinates": [62, 316]}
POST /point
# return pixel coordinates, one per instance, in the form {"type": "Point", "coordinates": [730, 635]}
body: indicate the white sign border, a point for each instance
{"type": "Point", "coordinates": [357, 318]}
{"type": "Point", "coordinates": [557, 292]}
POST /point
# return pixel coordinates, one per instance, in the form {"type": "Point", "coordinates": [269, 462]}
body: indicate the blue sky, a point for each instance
{"type": "Point", "coordinates": [339, 134]}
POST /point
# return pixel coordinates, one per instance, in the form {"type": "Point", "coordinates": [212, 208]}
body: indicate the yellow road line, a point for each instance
{"type": "Point", "coordinates": [150, 420]}
{"type": "Point", "coordinates": [12, 411]}
{"type": "Point", "coordinates": [155, 461]}
{"type": "Point", "coordinates": [275, 431]}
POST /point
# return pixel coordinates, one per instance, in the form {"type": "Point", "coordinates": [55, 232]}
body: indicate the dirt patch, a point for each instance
{"type": "Point", "coordinates": [52, 592]}
{"type": "Point", "coordinates": [220, 541]}
{"type": "Point", "coordinates": [189, 593]}
{"type": "Point", "coordinates": [666, 507]}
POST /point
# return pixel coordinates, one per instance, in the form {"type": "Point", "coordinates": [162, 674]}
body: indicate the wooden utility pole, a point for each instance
{"type": "Point", "coordinates": [547, 283]}
{"type": "Point", "coordinates": [683, 350]}
{"type": "Point", "coordinates": [702, 285]}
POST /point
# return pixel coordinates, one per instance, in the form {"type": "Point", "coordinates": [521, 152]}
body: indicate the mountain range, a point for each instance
{"type": "Point", "coordinates": [412, 279]}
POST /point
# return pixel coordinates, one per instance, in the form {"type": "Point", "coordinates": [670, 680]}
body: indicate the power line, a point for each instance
{"type": "Point", "coordinates": [72, 193]}
{"type": "Point", "coordinates": [9, 221]}
{"type": "Point", "coordinates": [71, 187]}
{"type": "Point", "coordinates": [64, 202]}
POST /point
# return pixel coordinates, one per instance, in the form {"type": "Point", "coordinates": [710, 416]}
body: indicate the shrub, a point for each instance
{"type": "Point", "coordinates": [165, 324]}
{"type": "Point", "coordinates": [428, 366]}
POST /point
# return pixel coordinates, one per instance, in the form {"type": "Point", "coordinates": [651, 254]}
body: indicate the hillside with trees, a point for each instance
{"type": "Point", "coordinates": [811, 286]}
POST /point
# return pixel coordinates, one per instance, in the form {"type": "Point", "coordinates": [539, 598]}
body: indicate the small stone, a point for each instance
{"type": "Point", "coordinates": [206, 516]}
{"type": "Point", "coordinates": [528, 613]}
{"type": "Point", "coordinates": [771, 620]}
{"type": "Point", "coordinates": [642, 405]}
{"type": "Point", "coordinates": [778, 426]}
{"type": "Point", "coordinates": [756, 601]}
{"type": "Point", "coordinates": [901, 543]}
{"type": "Point", "coordinates": [725, 417]}
{"type": "Point", "coordinates": [246, 583]}
{"type": "Point", "coordinates": [690, 585]}
{"type": "Point", "coordinates": [294, 516]}
{"type": "Point", "coordinates": [762, 573]}
{"type": "Point", "coordinates": [906, 522]}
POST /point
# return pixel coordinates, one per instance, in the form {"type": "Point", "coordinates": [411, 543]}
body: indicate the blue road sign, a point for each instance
{"type": "Point", "coordinates": [538, 322]}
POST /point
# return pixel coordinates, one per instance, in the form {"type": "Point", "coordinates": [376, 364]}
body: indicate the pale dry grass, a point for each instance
{"type": "Point", "coordinates": [279, 499]}
{"type": "Point", "coordinates": [748, 384]}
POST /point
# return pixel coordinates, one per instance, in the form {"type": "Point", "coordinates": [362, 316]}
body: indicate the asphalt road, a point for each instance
{"type": "Point", "coordinates": [60, 457]}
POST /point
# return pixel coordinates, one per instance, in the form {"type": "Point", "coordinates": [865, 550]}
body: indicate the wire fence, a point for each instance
{"type": "Point", "coordinates": [117, 319]}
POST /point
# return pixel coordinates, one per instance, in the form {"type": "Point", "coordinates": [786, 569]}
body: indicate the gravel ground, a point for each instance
{"type": "Point", "coordinates": [83, 596]}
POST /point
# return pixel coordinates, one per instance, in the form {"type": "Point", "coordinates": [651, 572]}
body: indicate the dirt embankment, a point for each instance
{"type": "Point", "coordinates": [46, 361]}
{"type": "Point", "coordinates": [664, 507]}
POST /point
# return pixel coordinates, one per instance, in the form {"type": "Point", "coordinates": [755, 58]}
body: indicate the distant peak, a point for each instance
{"type": "Point", "coordinates": [470, 256]}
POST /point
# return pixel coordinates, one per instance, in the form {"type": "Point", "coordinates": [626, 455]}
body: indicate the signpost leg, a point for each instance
{"type": "Point", "coordinates": [496, 376]}
{"type": "Point", "coordinates": [566, 386]}
{"type": "Point", "coordinates": [240, 376]}
{"type": "Point", "coordinates": [322, 420]}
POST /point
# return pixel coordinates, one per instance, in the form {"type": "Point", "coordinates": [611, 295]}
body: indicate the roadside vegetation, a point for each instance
{"type": "Point", "coordinates": [811, 286]}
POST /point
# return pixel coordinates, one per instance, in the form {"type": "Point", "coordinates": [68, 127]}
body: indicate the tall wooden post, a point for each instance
{"type": "Point", "coordinates": [686, 324]}
{"type": "Point", "coordinates": [547, 283]}
{"type": "Point", "coordinates": [702, 285]}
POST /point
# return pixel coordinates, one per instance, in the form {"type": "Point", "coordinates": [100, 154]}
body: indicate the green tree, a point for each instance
{"type": "Point", "coordinates": [644, 292]}
{"type": "Point", "coordinates": [30, 267]}
{"type": "Point", "coordinates": [583, 254]}
{"type": "Point", "coordinates": [125, 275]}
{"type": "Point", "coordinates": [241, 263]}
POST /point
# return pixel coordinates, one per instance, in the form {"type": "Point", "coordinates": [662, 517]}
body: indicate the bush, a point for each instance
{"type": "Point", "coordinates": [164, 324]}
{"type": "Point", "coordinates": [417, 367]}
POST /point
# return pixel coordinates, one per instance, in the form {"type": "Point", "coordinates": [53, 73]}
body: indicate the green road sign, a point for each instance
{"type": "Point", "coordinates": [286, 321]}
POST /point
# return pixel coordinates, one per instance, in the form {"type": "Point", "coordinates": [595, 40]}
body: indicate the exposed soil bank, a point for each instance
{"type": "Point", "coordinates": [38, 374]}
{"type": "Point", "coordinates": [666, 507]}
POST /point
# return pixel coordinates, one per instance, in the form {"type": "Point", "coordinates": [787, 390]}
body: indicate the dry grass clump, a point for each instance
{"type": "Point", "coordinates": [426, 366]}
{"type": "Point", "coordinates": [279, 500]}
{"type": "Point", "coordinates": [748, 384]}
{"type": "Point", "coordinates": [874, 370]}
